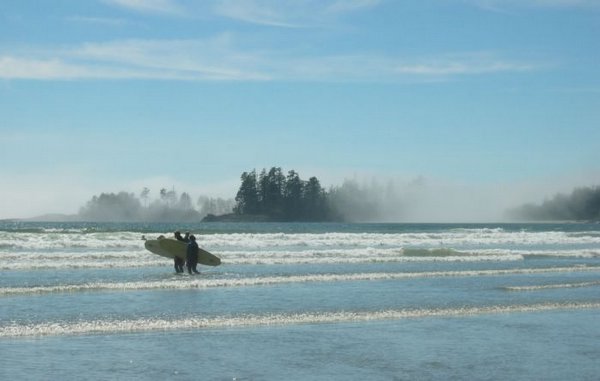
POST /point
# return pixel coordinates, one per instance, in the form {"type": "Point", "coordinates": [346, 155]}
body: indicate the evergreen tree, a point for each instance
{"type": "Point", "coordinates": [262, 191]}
{"type": "Point", "coordinates": [315, 201]}
{"type": "Point", "coordinates": [273, 202]}
{"type": "Point", "coordinates": [581, 205]}
{"type": "Point", "coordinates": [247, 195]}
{"type": "Point", "coordinates": [278, 197]}
{"type": "Point", "coordinates": [293, 197]}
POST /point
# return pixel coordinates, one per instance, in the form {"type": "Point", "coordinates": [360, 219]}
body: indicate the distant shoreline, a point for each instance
{"type": "Point", "coordinates": [234, 218]}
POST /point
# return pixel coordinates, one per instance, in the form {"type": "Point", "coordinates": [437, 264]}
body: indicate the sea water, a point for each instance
{"type": "Point", "coordinates": [302, 302]}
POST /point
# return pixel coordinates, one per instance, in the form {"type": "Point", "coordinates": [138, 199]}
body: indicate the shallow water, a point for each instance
{"type": "Point", "coordinates": [302, 301]}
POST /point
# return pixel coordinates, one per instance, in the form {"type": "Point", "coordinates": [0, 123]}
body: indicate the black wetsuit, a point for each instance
{"type": "Point", "coordinates": [192, 257]}
{"type": "Point", "coordinates": [179, 262]}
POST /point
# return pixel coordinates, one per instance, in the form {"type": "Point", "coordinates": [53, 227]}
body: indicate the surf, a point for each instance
{"type": "Point", "coordinates": [185, 283]}
{"type": "Point", "coordinates": [104, 327]}
{"type": "Point", "coordinates": [543, 287]}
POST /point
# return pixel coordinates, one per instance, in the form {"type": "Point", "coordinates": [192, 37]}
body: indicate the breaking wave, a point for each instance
{"type": "Point", "coordinates": [552, 286]}
{"type": "Point", "coordinates": [92, 327]}
{"type": "Point", "coordinates": [81, 249]}
{"type": "Point", "coordinates": [186, 283]}
{"type": "Point", "coordinates": [454, 238]}
{"type": "Point", "coordinates": [105, 259]}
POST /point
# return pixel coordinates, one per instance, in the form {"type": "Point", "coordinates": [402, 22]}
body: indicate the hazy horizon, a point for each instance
{"type": "Point", "coordinates": [418, 200]}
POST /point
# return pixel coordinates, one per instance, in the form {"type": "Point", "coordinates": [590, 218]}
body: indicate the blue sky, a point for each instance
{"type": "Point", "coordinates": [501, 97]}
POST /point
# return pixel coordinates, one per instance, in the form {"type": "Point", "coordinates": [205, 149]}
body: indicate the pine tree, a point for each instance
{"type": "Point", "coordinates": [247, 195]}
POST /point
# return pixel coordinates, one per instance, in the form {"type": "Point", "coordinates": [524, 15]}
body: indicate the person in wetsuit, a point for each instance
{"type": "Point", "coordinates": [179, 261]}
{"type": "Point", "coordinates": [192, 255]}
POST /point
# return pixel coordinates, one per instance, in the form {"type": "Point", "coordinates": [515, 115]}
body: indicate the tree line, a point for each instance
{"type": "Point", "coordinates": [583, 204]}
{"type": "Point", "coordinates": [282, 197]}
{"type": "Point", "coordinates": [274, 196]}
{"type": "Point", "coordinates": [266, 196]}
{"type": "Point", "coordinates": [168, 207]}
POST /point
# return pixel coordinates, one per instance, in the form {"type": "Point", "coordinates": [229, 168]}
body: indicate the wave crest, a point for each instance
{"type": "Point", "coordinates": [224, 322]}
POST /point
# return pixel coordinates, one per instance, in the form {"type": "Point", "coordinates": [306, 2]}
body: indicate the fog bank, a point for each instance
{"type": "Point", "coordinates": [422, 199]}
{"type": "Point", "coordinates": [582, 204]}
{"type": "Point", "coordinates": [371, 198]}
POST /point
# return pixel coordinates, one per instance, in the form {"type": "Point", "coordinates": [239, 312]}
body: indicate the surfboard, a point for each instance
{"type": "Point", "coordinates": [171, 248]}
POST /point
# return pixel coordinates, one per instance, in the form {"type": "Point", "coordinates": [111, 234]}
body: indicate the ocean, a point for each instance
{"type": "Point", "coordinates": [302, 301]}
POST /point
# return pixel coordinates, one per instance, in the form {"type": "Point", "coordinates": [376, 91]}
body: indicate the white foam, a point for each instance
{"type": "Point", "coordinates": [48, 241]}
{"type": "Point", "coordinates": [62, 261]}
{"type": "Point", "coordinates": [368, 255]}
{"type": "Point", "coordinates": [28, 260]}
{"type": "Point", "coordinates": [72, 250]}
{"type": "Point", "coordinates": [195, 283]}
{"type": "Point", "coordinates": [244, 321]}
{"type": "Point", "coordinates": [552, 286]}
{"type": "Point", "coordinates": [117, 259]}
{"type": "Point", "coordinates": [252, 241]}
{"type": "Point", "coordinates": [454, 238]}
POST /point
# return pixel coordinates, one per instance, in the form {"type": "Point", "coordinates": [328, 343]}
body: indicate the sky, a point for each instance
{"type": "Point", "coordinates": [484, 103]}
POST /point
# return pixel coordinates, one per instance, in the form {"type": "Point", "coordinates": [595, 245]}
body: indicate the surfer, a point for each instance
{"type": "Point", "coordinates": [192, 255]}
{"type": "Point", "coordinates": [179, 261]}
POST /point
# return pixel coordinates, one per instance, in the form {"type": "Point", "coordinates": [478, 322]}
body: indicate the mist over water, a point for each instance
{"type": "Point", "coordinates": [421, 200]}
{"type": "Point", "coordinates": [378, 198]}
{"type": "Point", "coordinates": [384, 198]}
{"type": "Point", "coordinates": [583, 204]}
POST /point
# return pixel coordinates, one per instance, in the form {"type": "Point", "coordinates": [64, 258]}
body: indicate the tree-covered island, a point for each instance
{"type": "Point", "coordinates": [268, 196]}
{"type": "Point", "coordinates": [273, 196]}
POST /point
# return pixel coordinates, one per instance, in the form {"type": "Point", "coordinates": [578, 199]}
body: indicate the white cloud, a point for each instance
{"type": "Point", "coordinates": [280, 13]}
{"type": "Point", "coordinates": [103, 21]}
{"type": "Point", "coordinates": [31, 68]}
{"type": "Point", "coordinates": [59, 68]}
{"type": "Point", "coordinates": [342, 6]}
{"type": "Point", "coordinates": [289, 13]}
{"type": "Point", "coordinates": [209, 59]}
{"type": "Point", "coordinates": [222, 59]}
{"type": "Point", "coordinates": [186, 60]}
{"type": "Point", "coordinates": [467, 64]}
{"type": "Point", "coordinates": [503, 5]}
{"type": "Point", "coordinates": [152, 6]}
{"type": "Point", "coordinates": [373, 68]}
{"type": "Point", "coordinates": [251, 12]}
